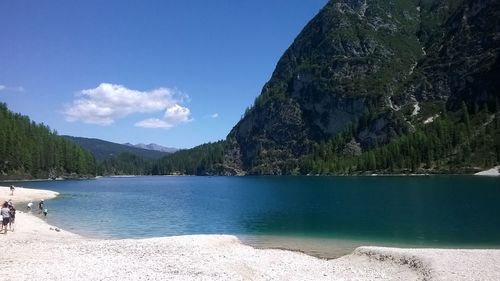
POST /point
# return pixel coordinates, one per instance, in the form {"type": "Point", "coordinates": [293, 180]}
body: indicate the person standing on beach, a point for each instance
{"type": "Point", "coordinates": [41, 206]}
{"type": "Point", "coordinates": [5, 213]}
{"type": "Point", "coordinates": [12, 213]}
{"type": "Point", "coordinates": [12, 188]}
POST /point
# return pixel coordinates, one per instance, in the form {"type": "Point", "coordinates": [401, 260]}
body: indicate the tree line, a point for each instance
{"type": "Point", "coordinates": [29, 150]}
{"type": "Point", "coordinates": [453, 143]}
{"type": "Point", "coordinates": [205, 159]}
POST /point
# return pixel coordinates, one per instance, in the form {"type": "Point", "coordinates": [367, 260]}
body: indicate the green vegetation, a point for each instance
{"type": "Point", "coordinates": [353, 91]}
{"type": "Point", "coordinates": [455, 142]}
{"type": "Point", "coordinates": [205, 159]}
{"type": "Point", "coordinates": [30, 150]}
{"type": "Point", "coordinates": [103, 150]}
{"type": "Point", "coordinates": [125, 163]}
{"type": "Point", "coordinates": [452, 143]}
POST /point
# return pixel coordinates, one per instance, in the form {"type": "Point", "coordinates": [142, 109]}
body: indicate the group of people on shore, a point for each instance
{"type": "Point", "coordinates": [8, 212]}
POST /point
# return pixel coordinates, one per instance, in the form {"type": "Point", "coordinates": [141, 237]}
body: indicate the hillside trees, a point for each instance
{"type": "Point", "coordinates": [205, 159]}
{"type": "Point", "coordinates": [453, 143]}
{"type": "Point", "coordinates": [31, 150]}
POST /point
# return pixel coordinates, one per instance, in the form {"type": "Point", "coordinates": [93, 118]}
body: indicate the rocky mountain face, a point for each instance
{"type": "Point", "coordinates": [462, 62]}
{"type": "Point", "coordinates": [376, 67]}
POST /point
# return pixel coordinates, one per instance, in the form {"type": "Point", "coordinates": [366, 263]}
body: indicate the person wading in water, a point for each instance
{"type": "Point", "coordinates": [41, 206]}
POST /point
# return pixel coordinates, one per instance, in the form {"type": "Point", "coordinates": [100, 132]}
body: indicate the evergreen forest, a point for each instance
{"type": "Point", "coordinates": [462, 142]}
{"type": "Point", "coordinates": [33, 151]}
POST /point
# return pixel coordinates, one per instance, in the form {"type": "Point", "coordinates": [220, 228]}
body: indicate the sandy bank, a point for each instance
{"type": "Point", "coordinates": [22, 194]}
{"type": "Point", "coordinates": [495, 171]}
{"type": "Point", "coordinates": [28, 225]}
{"type": "Point", "coordinates": [34, 251]}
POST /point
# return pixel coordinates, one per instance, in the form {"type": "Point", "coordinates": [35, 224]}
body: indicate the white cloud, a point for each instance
{"type": "Point", "coordinates": [108, 102]}
{"type": "Point", "coordinates": [211, 116]}
{"type": "Point", "coordinates": [173, 116]}
{"type": "Point", "coordinates": [153, 123]}
{"type": "Point", "coordinates": [11, 89]}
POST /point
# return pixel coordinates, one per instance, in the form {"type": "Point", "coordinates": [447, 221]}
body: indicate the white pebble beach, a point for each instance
{"type": "Point", "coordinates": [36, 251]}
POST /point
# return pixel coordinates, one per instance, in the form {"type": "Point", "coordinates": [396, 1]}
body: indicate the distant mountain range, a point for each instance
{"type": "Point", "coordinates": [104, 149]}
{"type": "Point", "coordinates": [153, 146]}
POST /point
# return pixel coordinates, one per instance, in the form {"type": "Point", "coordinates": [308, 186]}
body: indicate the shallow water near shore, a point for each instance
{"type": "Point", "coordinates": [322, 216]}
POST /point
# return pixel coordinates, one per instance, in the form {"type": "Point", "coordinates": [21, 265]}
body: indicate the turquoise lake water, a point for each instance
{"type": "Point", "coordinates": [448, 211]}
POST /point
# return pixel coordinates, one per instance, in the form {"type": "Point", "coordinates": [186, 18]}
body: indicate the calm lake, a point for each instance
{"type": "Point", "coordinates": [325, 216]}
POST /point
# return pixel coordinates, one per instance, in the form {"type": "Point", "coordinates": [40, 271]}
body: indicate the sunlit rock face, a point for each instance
{"type": "Point", "coordinates": [368, 65]}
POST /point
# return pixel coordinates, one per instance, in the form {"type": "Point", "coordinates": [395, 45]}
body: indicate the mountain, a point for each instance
{"type": "Point", "coordinates": [368, 86]}
{"type": "Point", "coordinates": [153, 146]}
{"type": "Point", "coordinates": [104, 149]}
{"type": "Point", "coordinates": [367, 74]}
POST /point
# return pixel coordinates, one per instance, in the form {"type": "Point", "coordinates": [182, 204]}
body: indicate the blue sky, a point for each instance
{"type": "Point", "coordinates": [176, 73]}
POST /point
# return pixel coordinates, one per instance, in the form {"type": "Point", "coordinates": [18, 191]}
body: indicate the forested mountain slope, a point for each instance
{"type": "Point", "coordinates": [32, 151]}
{"type": "Point", "coordinates": [366, 77]}
{"type": "Point", "coordinates": [102, 149]}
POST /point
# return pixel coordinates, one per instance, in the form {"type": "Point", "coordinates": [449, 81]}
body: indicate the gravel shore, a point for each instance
{"type": "Point", "coordinates": [495, 171]}
{"type": "Point", "coordinates": [35, 250]}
